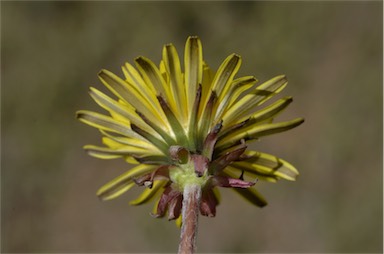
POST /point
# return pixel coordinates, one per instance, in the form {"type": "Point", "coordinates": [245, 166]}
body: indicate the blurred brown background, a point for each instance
{"type": "Point", "coordinates": [332, 55]}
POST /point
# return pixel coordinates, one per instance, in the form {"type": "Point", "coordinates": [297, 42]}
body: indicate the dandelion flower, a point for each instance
{"type": "Point", "coordinates": [187, 132]}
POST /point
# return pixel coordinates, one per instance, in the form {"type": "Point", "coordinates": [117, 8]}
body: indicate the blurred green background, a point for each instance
{"type": "Point", "coordinates": [331, 52]}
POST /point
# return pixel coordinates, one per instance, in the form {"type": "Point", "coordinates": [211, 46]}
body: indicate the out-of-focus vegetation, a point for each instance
{"type": "Point", "coordinates": [330, 51]}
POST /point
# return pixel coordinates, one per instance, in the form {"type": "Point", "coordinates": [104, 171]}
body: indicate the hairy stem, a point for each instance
{"type": "Point", "coordinates": [190, 214]}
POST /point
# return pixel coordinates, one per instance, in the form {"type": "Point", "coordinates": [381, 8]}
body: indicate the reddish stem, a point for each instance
{"type": "Point", "coordinates": [190, 215]}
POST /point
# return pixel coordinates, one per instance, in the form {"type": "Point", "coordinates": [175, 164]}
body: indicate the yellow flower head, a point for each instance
{"type": "Point", "coordinates": [190, 126]}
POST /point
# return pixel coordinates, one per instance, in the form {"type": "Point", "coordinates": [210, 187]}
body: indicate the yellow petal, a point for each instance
{"type": "Point", "coordinates": [106, 123]}
{"type": "Point", "coordinates": [269, 164]}
{"type": "Point", "coordinates": [221, 84]}
{"type": "Point", "coordinates": [225, 74]}
{"type": "Point", "coordinates": [179, 221]}
{"type": "Point", "coordinates": [149, 193]}
{"type": "Point", "coordinates": [133, 77]}
{"type": "Point", "coordinates": [261, 94]}
{"type": "Point", "coordinates": [251, 175]}
{"type": "Point", "coordinates": [164, 72]}
{"type": "Point", "coordinates": [262, 116]}
{"type": "Point", "coordinates": [103, 155]}
{"type": "Point", "coordinates": [237, 87]}
{"type": "Point", "coordinates": [124, 182]}
{"type": "Point", "coordinates": [255, 131]}
{"type": "Point", "coordinates": [243, 84]}
{"type": "Point", "coordinates": [146, 90]}
{"type": "Point", "coordinates": [177, 128]}
{"type": "Point", "coordinates": [130, 95]}
{"type": "Point", "coordinates": [122, 151]}
{"type": "Point", "coordinates": [172, 66]}
{"type": "Point", "coordinates": [152, 75]}
{"type": "Point", "coordinates": [193, 63]}
{"type": "Point", "coordinates": [115, 141]}
{"type": "Point", "coordinates": [208, 75]}
{"type": "Point", "coordinates": [114, 108]}
{"type": "Point", "coordinates": [270, 111]}
{"type": "Point", "coordinates": [120, 190]}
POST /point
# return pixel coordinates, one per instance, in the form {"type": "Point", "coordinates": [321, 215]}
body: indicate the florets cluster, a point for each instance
{"type": "Point", "coordinates": [188, 127]}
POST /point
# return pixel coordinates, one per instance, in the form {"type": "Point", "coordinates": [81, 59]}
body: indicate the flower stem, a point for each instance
{"type": "Point", "coordinates": [190, 213]}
